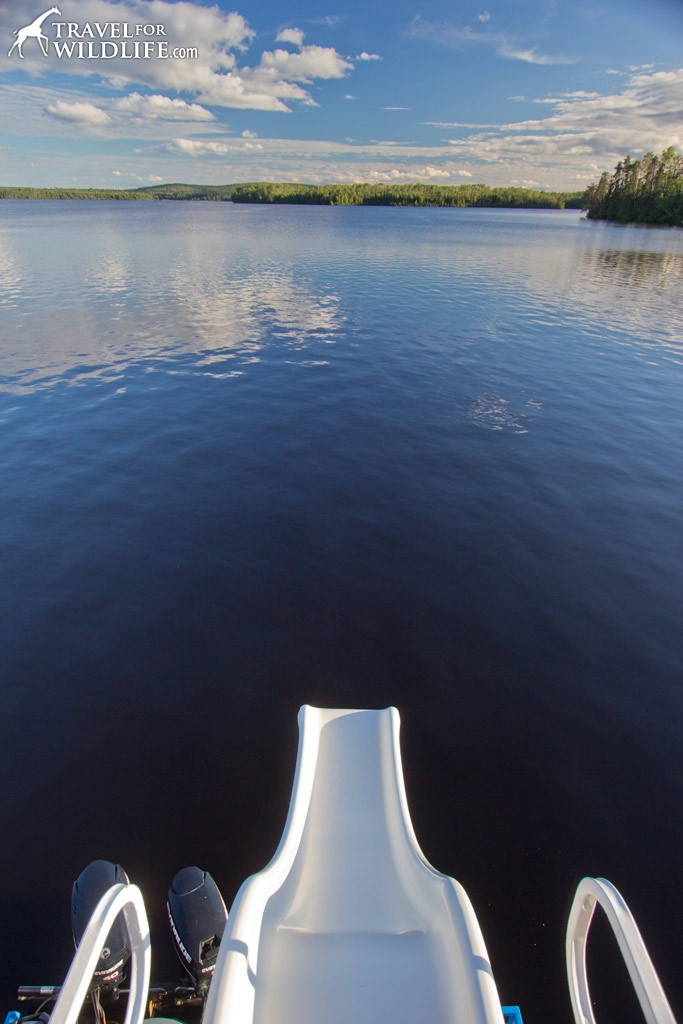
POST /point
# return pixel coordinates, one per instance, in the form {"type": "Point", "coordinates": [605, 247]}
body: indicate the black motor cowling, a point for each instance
{"type": "Point", "coordinates": [90, 886]}
{"type": "Point", "coordinates": [197, 915]}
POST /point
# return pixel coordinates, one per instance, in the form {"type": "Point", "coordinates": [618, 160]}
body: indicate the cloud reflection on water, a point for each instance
{"type": "Point", "coordinates": [10, 277]}
{"type": "Point", "coordinates": [90, 290]}
{"type": "Point", "coordinates": [111, 313]}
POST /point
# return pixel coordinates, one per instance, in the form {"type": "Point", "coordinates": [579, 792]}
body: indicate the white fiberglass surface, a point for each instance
{"type": "Point", "coordinates": [361, 930]}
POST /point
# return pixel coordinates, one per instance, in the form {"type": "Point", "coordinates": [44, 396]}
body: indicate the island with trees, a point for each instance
{"type": "Point", "coordinates": [370, 194]}
{"type": "Point", "coordinates": [645, 191]}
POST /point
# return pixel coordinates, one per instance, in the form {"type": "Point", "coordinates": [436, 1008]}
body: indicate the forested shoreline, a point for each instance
{"type": "Point", "coordinates": [645, 191]}
{"type": "Point", "coordinates": [361, 194]}
{"type": "Point", "coordinates": [366, 194]}
{"type": "Point", "coordinates": [174, 191]}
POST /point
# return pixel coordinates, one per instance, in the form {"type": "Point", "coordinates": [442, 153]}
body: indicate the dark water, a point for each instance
{"type": "Point", "coordinates": [253, 457]}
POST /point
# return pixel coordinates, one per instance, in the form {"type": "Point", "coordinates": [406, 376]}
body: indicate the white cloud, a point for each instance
{"type": "Point", "coordinates": [274, 82]}
{"type": "Point", "coordinates": [441, 172]}
{"type": "Point", "coordinates": [328, 19]}
{"type": "Point", "coordinates": [33, 109]}
{"type": "Point", "coordinates": [291, 35]}
{"type": "Point", "coordinates": [368, 56]}
{"type": "Point", "coordinates": [248, 91]}
{"type": "Point", "coordinates": [246, 134]}
{"type": "Point", "coordinates": [645, 114]}
{"type": "Point", "coordinates": [215, 76]}
{"type": "Point", "coordinates": [79, 113]}
{"type": "Point", "coordinates": [587, 130]}
{"type": "Point", "coordinates": [416, 174]}
{"type": "Point", "coordinates": [392, 175]}
{"type": "Point", "coordinates": [459, 124]}
{"type": "Point", "coordinates": [311, 62]}
{"type": "Point", "coordinates": [458, 37]}
{"type": "Point", "coordinates": [163, 108]}
{"type": "Point", "coordinates": [212, 32]}
{"type": "Point", "coordinates": [203, 147]}
{"type": "Point", "coordinates": [196, 147]}
{"type": "Point", "coordinates": [507, 48]}
{"type": "Point", "coordinates": [484, 16]}
{"type": "Point", "coordinates": [156, 178]}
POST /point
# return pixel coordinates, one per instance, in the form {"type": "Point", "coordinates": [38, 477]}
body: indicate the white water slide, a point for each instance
{"type": "Point", "coordinates": [349, 924]}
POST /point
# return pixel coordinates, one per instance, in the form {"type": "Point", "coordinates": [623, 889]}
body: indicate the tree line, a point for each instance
{"type": "Point", "coordinates": [359, 194]}
{"type": "Point", "coordinates": [174, 191]}
{"type": "Point", "coordinates": [365, 194]}
{"type": "Point", "coordinates": [21, 192]}
{"type": "Point", "coordinates": [646, 191]}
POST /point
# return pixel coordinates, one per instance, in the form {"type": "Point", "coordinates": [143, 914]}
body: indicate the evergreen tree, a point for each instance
{"type": "Point", "coordinates": [646, 191]}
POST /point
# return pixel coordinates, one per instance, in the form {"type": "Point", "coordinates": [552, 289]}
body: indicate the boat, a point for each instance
{"type": "Point", "coordinates": [349, 922]}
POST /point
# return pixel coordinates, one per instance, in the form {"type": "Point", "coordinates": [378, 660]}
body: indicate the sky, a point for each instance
{"type": "Point", "coordinates": [535, 93]}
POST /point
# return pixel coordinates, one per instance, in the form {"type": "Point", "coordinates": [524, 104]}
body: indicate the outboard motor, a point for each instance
{"type": "Point", "coordinates": [197, 916]}
{"type": "Point", "coordinates": [90, 886]}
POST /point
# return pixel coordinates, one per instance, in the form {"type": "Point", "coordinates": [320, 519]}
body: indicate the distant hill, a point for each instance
{"type": "Point", "coordinates": [359, 194]}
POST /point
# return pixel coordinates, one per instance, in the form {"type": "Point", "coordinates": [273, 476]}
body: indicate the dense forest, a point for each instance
{"type": "Point", "coordinates": [328, 195]}
{"type": "Point", "coordinates": [646, 191]}
{"type": "Point", "coordinates": [363, 194]}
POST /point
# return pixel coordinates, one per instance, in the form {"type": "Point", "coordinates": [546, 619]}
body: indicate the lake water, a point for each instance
{"type": "Point", "coordinates": [252, 457]}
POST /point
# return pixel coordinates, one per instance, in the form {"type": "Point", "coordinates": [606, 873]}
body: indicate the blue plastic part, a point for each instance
{"type": "Point", "coordinates": [12, 1017]}
{"type": "Point", "coordinates": [512, 1015]}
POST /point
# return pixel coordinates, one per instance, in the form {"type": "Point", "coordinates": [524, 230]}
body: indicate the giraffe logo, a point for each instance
{"type": "Point", "coordinates": [33, 31]}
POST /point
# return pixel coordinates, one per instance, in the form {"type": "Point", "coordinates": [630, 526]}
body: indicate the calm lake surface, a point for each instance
{"type": "Point", "coordinates": [252, 457]}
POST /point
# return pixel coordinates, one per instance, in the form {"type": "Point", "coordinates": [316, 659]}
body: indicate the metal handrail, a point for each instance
{"type": "Point", "coordinates": [120, 898]}
{"type": "Point", "coordinates": [589, 892]}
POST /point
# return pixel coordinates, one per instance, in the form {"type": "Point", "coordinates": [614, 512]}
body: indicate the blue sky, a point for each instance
{"type": "Point", "coordinates": [525, 92]}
